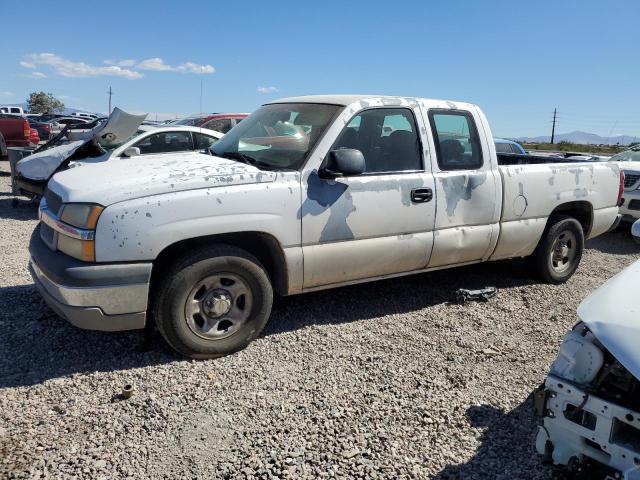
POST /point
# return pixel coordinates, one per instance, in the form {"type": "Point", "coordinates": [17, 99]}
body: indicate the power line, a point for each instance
{"type": "Point", "coordinates": [553, 128]}
{"type": "Point", "coordinates": [110, 93]}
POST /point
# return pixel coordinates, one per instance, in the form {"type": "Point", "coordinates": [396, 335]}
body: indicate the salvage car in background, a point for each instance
{"type": "Point", "coordinates": [147, 140]}
{"type": "Point", "coordinates": [508, 146]}
{"type": "Point", "coordinates": [630, 165]}
{"type": "Point", "coordinates": [15, 130]}
{"type": "Point", "coordinates": [220, 122]}
{"type": "Point", "coordinates": [589, 404]}
{"type": "Point", "coordinates": [88, 140]}
{"type": "Point", "coordinates": [203, 241]}
{"type": "Point", "coordinates": [44, 128]}
{"type": "Point", "coordinates": [150, 140]}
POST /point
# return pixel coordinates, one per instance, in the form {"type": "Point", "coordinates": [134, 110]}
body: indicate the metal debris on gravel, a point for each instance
{"type": "Point", "coordinates": [381, 380]}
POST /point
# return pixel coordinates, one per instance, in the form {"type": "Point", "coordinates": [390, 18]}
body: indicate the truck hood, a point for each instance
{"type": "Point", "coordinates": [120, 126]}
{"type": "Point", "coordinates": [123, 179]}
{"type": "Point", "coordinates": [629, 166]}
{"type": "Point", "coordinates": [612, 313]}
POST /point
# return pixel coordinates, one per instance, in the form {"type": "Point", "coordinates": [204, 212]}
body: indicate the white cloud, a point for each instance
{"type": "Point", "coordinates": [69, 68]}
{"type": "Point", "coordinates": [267, 89]}
{"type": "Point", "coordinates": [126, 68]}
{"type": "Point", "coordinates": [157, 64]}
{"type": "Point", "coordinates": [121, 63]}
{"type": "Point", "coordinates": [32, 75]}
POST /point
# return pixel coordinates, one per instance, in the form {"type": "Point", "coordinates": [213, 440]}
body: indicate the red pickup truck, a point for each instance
{"type": "Point", "coordinates": [15, 130]}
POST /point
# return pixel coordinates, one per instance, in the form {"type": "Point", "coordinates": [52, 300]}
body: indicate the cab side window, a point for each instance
{"type": "Point", "coordinates": [457, 140]}
{"type": "Point", "coordinates": [387, 138]}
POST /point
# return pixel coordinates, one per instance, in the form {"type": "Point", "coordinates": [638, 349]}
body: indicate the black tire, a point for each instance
{"type": "Point", "coordinates": [178, 283]}
{"type": "Point", "coordinates": [541, 262]}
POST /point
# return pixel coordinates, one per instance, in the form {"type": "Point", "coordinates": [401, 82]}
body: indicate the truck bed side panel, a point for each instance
{"type": "Point", "coordinates": [532, 192]}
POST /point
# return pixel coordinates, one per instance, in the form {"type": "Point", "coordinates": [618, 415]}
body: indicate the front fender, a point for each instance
{"type": "Point", "coordinates": [139, 229]}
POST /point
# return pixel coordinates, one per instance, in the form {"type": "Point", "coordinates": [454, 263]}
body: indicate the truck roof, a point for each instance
{"type": "Point", "coordinates": [347, 99]}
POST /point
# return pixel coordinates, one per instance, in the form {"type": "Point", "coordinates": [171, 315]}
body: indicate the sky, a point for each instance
{"type": "Point", "coordinates": [518, 60]}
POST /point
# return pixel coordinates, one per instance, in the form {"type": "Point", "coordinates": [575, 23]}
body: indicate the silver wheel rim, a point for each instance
{"type": "Point", "coordinates": [218, 306]}
{"type": "Point", "coordinates": [563, 251]}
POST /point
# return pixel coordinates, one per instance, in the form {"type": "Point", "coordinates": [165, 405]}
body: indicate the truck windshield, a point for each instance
{"type": "Point", "coordinates": [277, 136]}
{"type": "Point", "coordinates": [632, 155]}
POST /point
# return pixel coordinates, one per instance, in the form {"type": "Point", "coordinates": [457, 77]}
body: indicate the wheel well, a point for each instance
{"type": "Point", "coordinates": [582, 211]}
{"type": "Point", "coordinates": [261, 245]}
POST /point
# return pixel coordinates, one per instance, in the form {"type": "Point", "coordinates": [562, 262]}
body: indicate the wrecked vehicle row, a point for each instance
{"type": "Point", "coordinates": [306, 193]}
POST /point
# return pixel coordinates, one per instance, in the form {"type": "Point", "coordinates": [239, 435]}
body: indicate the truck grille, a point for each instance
{"type": "Point", "coordinates": [54, 202]}
{"type": "Point", "coordinates": [630, 179]}
{"type": "Point", "coordinates": [634, 205]}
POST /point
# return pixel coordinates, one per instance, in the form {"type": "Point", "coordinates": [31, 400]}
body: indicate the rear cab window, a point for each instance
{"type": "Point", "coordinates": [456, 139]}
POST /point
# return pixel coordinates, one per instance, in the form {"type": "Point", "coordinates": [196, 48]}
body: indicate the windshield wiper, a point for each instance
{"type": "Point", "coordinates": [241, 157]}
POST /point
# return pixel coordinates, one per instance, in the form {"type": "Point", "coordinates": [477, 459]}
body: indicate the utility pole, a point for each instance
{"type": "Point", "coordinates": [111, 93]}
{"type": "Point", "coordinates": [553, 128]}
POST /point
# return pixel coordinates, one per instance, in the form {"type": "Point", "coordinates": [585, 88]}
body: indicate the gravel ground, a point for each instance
{"type": "Point", "coordinates": [385, 380]}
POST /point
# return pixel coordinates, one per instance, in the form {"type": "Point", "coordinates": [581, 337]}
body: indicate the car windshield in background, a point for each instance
{"type": "Point", "coordinates": [277, 136]}
{"type": "Point", "coordinates": [190, 121]}
{"type": "Point", "coordinates": [627, 156]}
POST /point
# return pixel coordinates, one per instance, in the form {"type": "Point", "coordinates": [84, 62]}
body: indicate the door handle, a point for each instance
{"type": "Point", "coordinates": [421, 195]}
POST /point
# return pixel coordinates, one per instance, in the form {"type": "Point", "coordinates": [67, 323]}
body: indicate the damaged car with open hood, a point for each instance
{"type": "Point", "coordinates": [589, 404]}
{"type": "Point", "coordinates": [92, 140]}
{"type": "Point", "coordinates": [306, 193]}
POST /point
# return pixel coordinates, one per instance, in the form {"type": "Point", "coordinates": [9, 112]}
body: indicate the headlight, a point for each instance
{"type": "Point", "coordinates": [75, 228]}
{"type": "Point", "coordinates": [81, 249]}
{"type": "Point", "coordinates": [81, 215]}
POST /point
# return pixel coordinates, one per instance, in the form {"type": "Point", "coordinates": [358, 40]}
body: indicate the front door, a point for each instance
{"type": "Point", "coordinates": [378, 223]}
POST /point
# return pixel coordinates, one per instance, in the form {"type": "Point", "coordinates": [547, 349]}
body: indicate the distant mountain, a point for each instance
{"type": "Point", "coordinates": [583, 138]}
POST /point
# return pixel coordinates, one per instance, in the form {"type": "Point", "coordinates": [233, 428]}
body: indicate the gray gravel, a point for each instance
{"type": "Point", "coordinates": [384, 380]}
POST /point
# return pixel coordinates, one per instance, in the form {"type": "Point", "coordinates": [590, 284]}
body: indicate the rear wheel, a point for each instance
{"type": "Point", "coordinates": [559, 251]}
{"type": "Point", "coordinates": [213, 302]}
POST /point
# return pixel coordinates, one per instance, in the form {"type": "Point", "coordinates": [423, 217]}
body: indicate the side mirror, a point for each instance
{"type": "Point", "coordinates": [131, 152]}
{"type": "Point", "coordinates": [344, 162]}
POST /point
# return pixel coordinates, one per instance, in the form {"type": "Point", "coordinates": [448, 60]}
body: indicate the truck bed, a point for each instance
{"type": "Point", "coordinates": [518, 159]}
{"type": "Point", "coordinates": [533, 186]}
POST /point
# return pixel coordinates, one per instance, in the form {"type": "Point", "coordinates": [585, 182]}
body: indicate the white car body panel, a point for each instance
{"type": "Point", "coordinates": [612, 313]}
{"type": "Point", "coordinates": [581, 421]}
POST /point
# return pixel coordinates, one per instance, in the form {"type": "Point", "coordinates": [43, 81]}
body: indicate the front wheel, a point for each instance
{"type": "Point", "coordinates": [213, 302]}
{"type": "Point", "coordinates": [559, 251]}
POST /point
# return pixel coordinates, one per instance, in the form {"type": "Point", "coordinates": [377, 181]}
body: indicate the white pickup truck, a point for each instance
{"type": "Point", "coordinates": [307, 193]}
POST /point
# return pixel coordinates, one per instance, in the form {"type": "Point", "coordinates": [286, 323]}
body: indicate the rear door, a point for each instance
{"type": "Point", "coordinates": [467, 186]}
{"type": "Point", "coordinates": [378, 223]}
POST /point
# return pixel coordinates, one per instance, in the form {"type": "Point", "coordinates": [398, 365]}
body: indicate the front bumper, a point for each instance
{"type": "Point", "coordinates": [576, 424]}
{"type": "Point", "coordinates": [93, 296]}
